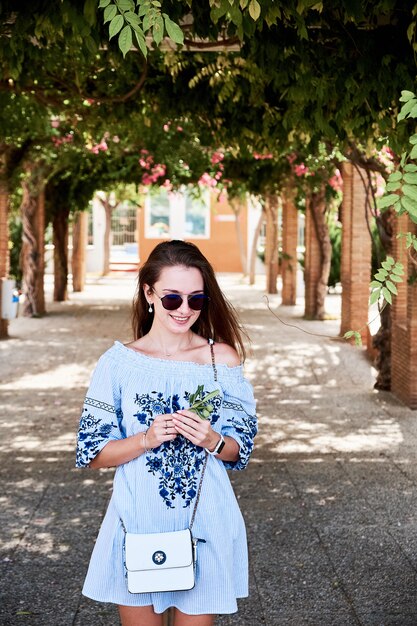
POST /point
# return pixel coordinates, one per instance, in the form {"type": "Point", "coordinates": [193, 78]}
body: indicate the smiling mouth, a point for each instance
{"type": "Point", "coordinates": [180, 319]}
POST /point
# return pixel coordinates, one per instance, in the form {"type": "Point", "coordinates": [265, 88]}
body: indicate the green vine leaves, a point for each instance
{"type": "Point", "coordinates": [140, 22]}
{"type": "Point", "coordinates": [133, 23]}
{"type": "Point", "coordinates": [355, 334]}
{"type": "Point", "coordinates": [383, 287]}
{"type": "Point", "coordinates": [401, 195]}
{"type": "Point", "coordinates": [402, 183]}
{"type": "Point", "coordinates": [390, 273]}
{"type": "Point", "coordinates": [401, 189]}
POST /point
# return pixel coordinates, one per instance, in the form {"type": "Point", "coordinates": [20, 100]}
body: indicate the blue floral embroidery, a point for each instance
{"type": "Point", "coordinates": [154, 404]}
{"type": "Point", "coordinates": [245, 426]}
{"type": "Point", "coordinates": [176, 463]}
{"type": "Point", "coordinates": [91, 434]}
{"type": "Point", "coordinates": [245, 430]}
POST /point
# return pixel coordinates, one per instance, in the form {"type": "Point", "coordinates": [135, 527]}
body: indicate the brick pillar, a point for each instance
{"type": "Point", "coordinates": [404, 324]}
{"type": "Point", "coordinates": [312, 264]}
{"type": "Point", "coordinates": [356, 254]}
{"type": "Point", "coordinates": [289, 249]}
{"type": "Point", "coordinates": [271, 243]}
{"type": "Point", "coordinates": [79, 250]}
{"type": "Point", "coordinates": [40, 235]}
{"type": "Point", "coordinates": [4, 245]}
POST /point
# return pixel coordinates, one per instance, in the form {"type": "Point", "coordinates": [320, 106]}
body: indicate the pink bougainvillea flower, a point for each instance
{"type": "Point", "coordinates": [216, 157]}
{"type": "Point", "coordinates": [159, 170]}
{"type": "Point", "coordinates": [152, 176]}
{"type": "Point", "coordinates": [147, 179]}
{"type": "Point", "coordinates": [261, 157]}
{"type": "Point", "coordinates": [207, 181]}
{"type": "Point", "coordinates": [180, 129]}
{"type": "Point", "coordinates": [146, 163]}
{"type": "Point", "coordinates": [102, 146]}
{"type": "Point", "coordinates": [380, 185]}
{"type": "Point", "coordinates": [336, 181]}
{"type": "Point", "coordinates": [301, 170]}
{"type": "Point", "coordinates": [68, 138]}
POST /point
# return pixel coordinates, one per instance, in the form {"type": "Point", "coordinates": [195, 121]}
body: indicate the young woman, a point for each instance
{"type": "Point", "coordinates": [136, 418]}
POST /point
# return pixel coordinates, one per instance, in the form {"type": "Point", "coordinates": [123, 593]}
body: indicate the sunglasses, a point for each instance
{"type": "Point", "coordinates": [173, 301]}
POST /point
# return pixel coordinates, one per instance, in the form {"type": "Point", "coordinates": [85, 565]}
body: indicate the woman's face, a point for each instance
{"type": "Point", "coordinates": [180, 280]}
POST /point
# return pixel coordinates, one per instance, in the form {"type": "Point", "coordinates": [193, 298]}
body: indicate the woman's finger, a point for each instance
{"type": "Point", "coordinates": [161, 430]}
{"type": "Point", "coordinates": [196, 431]}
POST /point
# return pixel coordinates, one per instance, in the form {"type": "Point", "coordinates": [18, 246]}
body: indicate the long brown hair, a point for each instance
{"type": "Point", "coordinates": [218, 319]}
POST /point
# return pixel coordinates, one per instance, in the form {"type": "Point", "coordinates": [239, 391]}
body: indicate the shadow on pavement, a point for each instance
{"type": "Point", "coordinates": [329, 497]}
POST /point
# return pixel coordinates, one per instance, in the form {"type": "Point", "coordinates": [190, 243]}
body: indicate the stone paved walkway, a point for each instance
{"type": "Point", "coordinates": [329, 498]}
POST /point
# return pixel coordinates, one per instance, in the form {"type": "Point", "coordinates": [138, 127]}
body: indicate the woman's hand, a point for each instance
{"type": "Point", "coordinates": [196, 430]}
{"type": "Point", "coordinates": [161, 430]}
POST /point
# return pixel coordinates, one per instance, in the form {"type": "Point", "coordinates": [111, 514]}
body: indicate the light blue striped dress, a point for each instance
{"type": "Point", "coordinates": [156, 491]}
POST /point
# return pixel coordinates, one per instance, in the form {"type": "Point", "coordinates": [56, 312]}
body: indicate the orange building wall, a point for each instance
{"type": "Point", "coordinates": [222, 249]}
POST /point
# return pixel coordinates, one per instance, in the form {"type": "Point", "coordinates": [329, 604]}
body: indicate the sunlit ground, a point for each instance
{"type": "Point", "coordinates": [332, 454]}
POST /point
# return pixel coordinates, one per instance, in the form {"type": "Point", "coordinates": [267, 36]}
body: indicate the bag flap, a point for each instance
{"type": "Point", "coordinates": [158, 550]}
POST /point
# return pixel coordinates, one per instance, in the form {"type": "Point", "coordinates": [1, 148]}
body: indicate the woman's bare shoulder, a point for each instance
{"type": "Point", "coordinates": [226, 355]}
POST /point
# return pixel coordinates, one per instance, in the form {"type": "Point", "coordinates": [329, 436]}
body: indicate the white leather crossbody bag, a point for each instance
{"type": "Point", "coordinates": [162, 561]}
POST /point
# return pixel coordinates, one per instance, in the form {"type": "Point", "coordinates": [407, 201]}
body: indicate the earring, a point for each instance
{"type": "Point", "coordinates": [150, 307]}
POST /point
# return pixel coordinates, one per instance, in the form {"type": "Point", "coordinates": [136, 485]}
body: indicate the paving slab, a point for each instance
{"type": "Point", "coordinates": [329, 497]}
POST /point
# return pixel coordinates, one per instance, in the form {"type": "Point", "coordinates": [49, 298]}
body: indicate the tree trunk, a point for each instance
{"type": "Point", "coordinates": [289, 262]}
{"type": "Point", "coordinates": [60, 238]}
{"type": "Point", "coordinates": [236, 207]}
{"type": "Point", "coordinates": [382, 339]}
{"type": "Point", "coordinates": [107, 237]}
{"type": "Point", "coordinates": [253, 253]}
{"type": "Point", "coordinates": [271, 244]}
{"type": "Point", "coordinates": [4, 242]}
{"type": "Point", "coordinates": [318, 209]}
{"type": "Point", "coordinates": [79, 245]}
{"type": "Point", "coordinates": [32, 255]}
{"type": "Point", "coordinates": [109, 206]}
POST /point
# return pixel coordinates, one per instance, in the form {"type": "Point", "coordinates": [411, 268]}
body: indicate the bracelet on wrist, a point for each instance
{"type": "Point", "coordinates": [146, 449]}
{"type": "Point", "coordinates": [218, 447]}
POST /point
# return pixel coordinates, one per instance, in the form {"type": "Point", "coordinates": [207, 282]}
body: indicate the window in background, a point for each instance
{"type": "Point", "coordinates": [177, 215]}
{"type": "Point", "coordinates": [123, 224]}
{"type": "Point", "coordinates": [157, 214]}
{"type": "Point", "coordinates": [197, 215]}
{"type": "Point", "coordinates": [90, 231]}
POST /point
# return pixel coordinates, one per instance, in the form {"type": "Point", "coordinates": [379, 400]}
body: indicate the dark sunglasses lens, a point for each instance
{"type": "Point", "coordinates": [197, 302]}
{"type": "Point", "coordinates": [171, 301]}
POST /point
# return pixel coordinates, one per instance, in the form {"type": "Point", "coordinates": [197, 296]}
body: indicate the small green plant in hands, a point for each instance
{"type": "Point", "coordinates": [200, 404]}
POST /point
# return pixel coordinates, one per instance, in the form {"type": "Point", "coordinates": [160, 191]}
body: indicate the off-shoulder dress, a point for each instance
{"type": "Point", "coordinates": [156, 491]}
